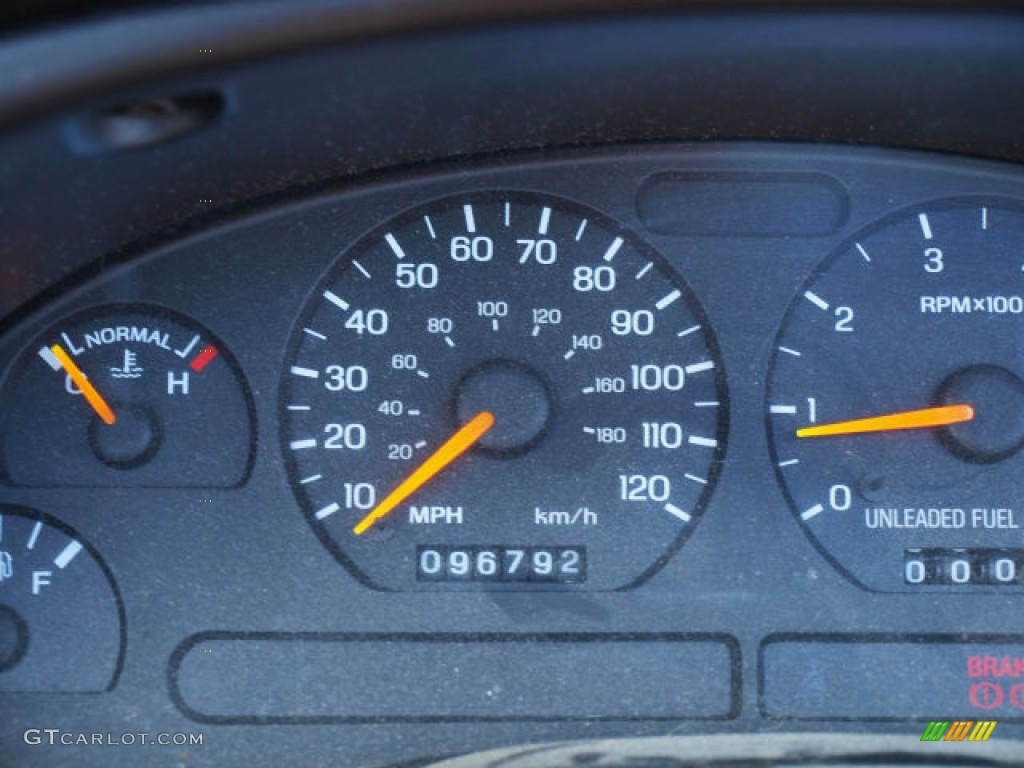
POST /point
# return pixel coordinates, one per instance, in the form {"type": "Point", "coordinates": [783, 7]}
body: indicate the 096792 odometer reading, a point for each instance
{"type": "Point", "coordinates": [502, 373]}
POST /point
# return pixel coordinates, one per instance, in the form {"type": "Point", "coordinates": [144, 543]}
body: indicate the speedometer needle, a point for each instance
{"type": "Point", "coordinates": [454, 447]}
{"type": "Point", "coordinates": [94, 398]}
{"type": "Point", "coordinates": [920, 419]}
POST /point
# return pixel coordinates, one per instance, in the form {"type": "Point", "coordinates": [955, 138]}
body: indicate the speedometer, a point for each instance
{"type": "Point", "coordinates": [506, 390]}
{"type": "Point", "coordinates": [896, 402]}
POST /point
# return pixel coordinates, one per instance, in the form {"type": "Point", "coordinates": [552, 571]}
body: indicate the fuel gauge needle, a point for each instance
{"type": "Point", "coordinates": [920, 419]}
{"type": "Point", "coordinates": [94, 398]}
{"type": "Point", "coordinates": [455, 446]}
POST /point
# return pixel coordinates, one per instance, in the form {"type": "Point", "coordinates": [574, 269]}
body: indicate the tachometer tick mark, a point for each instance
{"type": "Point", "coordinates": [706, 404]}
{"type": "Point", "coordinates": [299, 408]}
{"type": "Point", "coordinates": [926, 227]}
{"type": "Point", "coordinates": [814, 511]}
{"type": "Point", "coordinates": [816, 300]}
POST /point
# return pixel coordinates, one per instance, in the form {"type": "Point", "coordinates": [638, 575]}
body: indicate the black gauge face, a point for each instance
{"type": "Point", "coordinates": [502, 391]}
{"type": "Point", "coordinates": [125, 395]}
{"type": "Point", "coordinates": [896, 401]}
{"type": "Point", "coordinates": [61, 618]}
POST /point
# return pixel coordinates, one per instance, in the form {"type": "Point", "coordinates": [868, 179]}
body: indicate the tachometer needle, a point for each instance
{"type": "Point", "coordinates": [93, 397]}
{"type": "Point", "coordinates": [454, 447]}
{"type": "Point", "coordinates": [920, 419]}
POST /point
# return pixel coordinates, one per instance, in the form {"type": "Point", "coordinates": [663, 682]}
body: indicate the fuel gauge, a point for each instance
{"type": "Point", "coordinates": [126, 395]}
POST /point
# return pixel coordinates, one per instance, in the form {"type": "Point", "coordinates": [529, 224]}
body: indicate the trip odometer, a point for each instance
{"type": "Point", "coordinates": [506, 391]}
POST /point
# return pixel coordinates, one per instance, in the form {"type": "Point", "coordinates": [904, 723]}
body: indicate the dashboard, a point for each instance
{"type": "Point", "coordinates": [423, 384]}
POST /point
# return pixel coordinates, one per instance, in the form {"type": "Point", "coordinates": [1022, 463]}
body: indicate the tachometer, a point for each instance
{"type": "Point", "coordinates": [896, 401]}
{"type": "Point", "coordinates": [507, 390]}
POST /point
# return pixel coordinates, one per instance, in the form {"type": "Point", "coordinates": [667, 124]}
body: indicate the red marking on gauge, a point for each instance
{"type": "Point", "coordinates": [203, 358]}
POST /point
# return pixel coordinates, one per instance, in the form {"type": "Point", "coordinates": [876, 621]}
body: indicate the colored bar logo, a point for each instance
{"type": "Point", "coordinates": [959, 730]}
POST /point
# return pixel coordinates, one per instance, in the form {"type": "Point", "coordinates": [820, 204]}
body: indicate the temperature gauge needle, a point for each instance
{"type": "Point", "coordinates": [921, 419]}
{"type": "Point", "coordinates": [94, 398]}
{"type": "Point", "coordinates": [454, 447]}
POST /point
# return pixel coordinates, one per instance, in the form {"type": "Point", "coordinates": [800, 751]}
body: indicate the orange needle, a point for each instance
{"type": "Point", "coordinates": [454, 447]}
{"type": "Point", "coordinates": [926, 417]}
{"type": "Point", "coordinates": [88, 390]}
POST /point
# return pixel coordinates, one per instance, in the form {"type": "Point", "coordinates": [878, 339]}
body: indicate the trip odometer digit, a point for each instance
{"type": "Point", "coordinates": [506, 391]}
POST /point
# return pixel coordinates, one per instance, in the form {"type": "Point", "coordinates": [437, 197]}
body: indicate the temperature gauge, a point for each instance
{"type": "Point", "coordinates": [126, 395]}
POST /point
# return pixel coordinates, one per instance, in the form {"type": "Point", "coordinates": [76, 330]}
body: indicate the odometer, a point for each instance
{"type": "Point", "coordinates": [506, 391]}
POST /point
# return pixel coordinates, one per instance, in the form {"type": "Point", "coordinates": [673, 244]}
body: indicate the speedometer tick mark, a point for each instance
{"type": "Point", "coordinates": [422, 374]}
{"type": "Point", "coordinates": [706, 404]}
{"type": "Point", "coordinates": [336, 300]}
{"type": "Point", "coordinates": [545, 219]}
{"type": "Point", "coordinates": [569, 354]}
{"type": "Point", "coordinates": [430, 227]}
{"type": "Point", "coordinates": [707, 365]}
{"type": "Point", "coordinates": [587, 390]}
{"type": "Point", "coordinates": [696, 479]}
{"type": "Point", "coordinates": [675, 511]}
{"type": "Point", "coordinates": [984, 218]}
{"type": "Point", "coordinates": [789, 351]}
{"type": "Point", "coordinates": [299, 445]}
{"type": "Point", "coordinates": [864, 253]}
{"type": "Point", "coordinates": [467, 211]}
{"type": "Point", "coordinates": [361, 268]}
{"type": "Point", "coordinates": [421, 444]}
{"type": "Point", "coordinates": [789, 462]}
{"type": "Point", "coordinates": [508, 214]}
{"type": "Point", "coordinates": [448, 341]}
{"type": "Point", "coordinates": [327, 511]}
{"type": "Point", "coordinates": [536, 331]}
{"type": "Point", "coordinates": [589, 430]}
{"type": "Point", "coordinates": [394, 245]}
{"type": "Point", "coordinates": [667, 299]}
{"type": "Point", "coordinates": [688, 331]}
{"type": "Point", "coordinates": [414, 411]}
{"type": "Point", "coordinates": [299, 408]}
{"type": "Point", "coordinates": [308, 373]}
{"type": "Point", "coordinates": [310, 479]}
{"type": "Point", "coordinates": [612, 249]}
{"type": "Point", "coordinates": [579, 232]}
{"type": "Point", "coordinates": [704, 442]}
{"type": "Point", "coordinates": [494, 324]}
{"type": "Point", "coordinates": [647, 268]}
{"type": "Point", "coordinates": [314, 334]}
